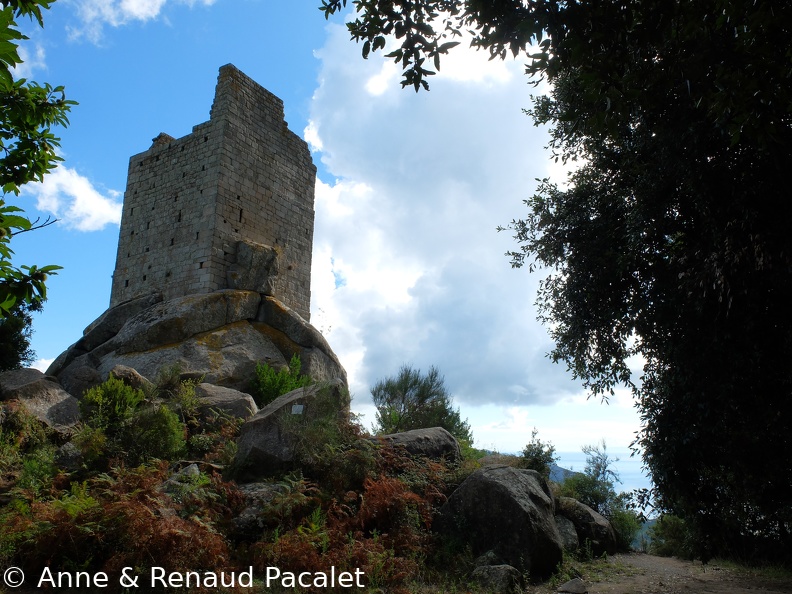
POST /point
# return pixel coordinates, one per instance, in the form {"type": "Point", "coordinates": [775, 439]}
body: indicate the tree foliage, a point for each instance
{"type": "Point", "coordinates": [15, 334]}
{"type": "Point", "coordinates": [411, 400]}
{"type": "Point", "coordinates": [596, 487]}
{"type": "Point", "coordinates": [269, 383]}
{"type": "Point", "coordinates": [671, 240]}
{"type": "Point", "coordinates": [28, 111]}
{"type": "Point", "coordinates": [538, 455]}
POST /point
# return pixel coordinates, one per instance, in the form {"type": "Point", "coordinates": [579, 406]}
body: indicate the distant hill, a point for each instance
{"type": "Point", "coordinates": [559, 475]}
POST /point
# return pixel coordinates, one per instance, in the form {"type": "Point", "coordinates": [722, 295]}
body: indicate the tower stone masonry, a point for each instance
{"type": "Point", "coordinates": [229, 206]}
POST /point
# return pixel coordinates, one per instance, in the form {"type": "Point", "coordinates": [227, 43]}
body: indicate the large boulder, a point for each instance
{"type": "Point", "coordinates": [295, 335]}
{"type": "Point", "coordinates": [111, 321]}
{"type": "Point", "coordinates": [226, 356]}
{"type": "Point", "coordinates": [231, 402]}
{"type": "Point", "coordinates": [498, 579]}
{"type": "Point", "coordinates": [258, 496]}
{"type": "Point", "coordinates": [569, 537]}
{"type": "Point", "coordinates": [509, 511]}
{"type": "Point", "coordinates": [179, 319]}
{"type": "Point", "coordinates": [14, 382]}
{"type": "Point", "coordinates": [269, 441]}
{"type": "Point", "coordinates": [592, 528]}
{"type": "Point", "coordinates": [131, 378]}
{"type": "Point", "coordinates": [80, 375]}
{"type": "Point", "coordinates": [220, 336]}
{"type": "Point", "coordinates": [102, 329]}
{"type": "Point", "coordinates": [42, 397]}
{"type": "Point", "coordinates": [434, 442]}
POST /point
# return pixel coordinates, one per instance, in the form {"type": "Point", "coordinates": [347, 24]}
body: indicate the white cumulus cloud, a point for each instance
{"type": "Point", "coordinates": [42, 364]}
{"type": "Point", "coordinates": [94, 15]}
{"type": "Point", "coordinates": [74, 200]}
{"type": "Point", "coordinates": [311, 135]}
{"type": "Point", "coordinates": [33, 60]}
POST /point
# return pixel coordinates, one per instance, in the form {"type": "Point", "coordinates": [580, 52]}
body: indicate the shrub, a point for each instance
{"type": "Point", "coordinates": [411, 400]}
{"type": "Point", "coordinates": [92, 443]}
{"type": "Point", "coordinates": [187, 402]}
{"type": "Point", "coordinates": [168, 382]}
{"type": "Point", "coordinates": [117, 426]}
{"type": "Point", "coordinates": [20, 433]}
{"type": "Point", "coordinates": [538, 455]}
{"type": "Point", "coordinates": [625, 523]}
{"type": "Point", "coordinates": [595, 487]}
{"type": "Point", "coordinates": [109, 404]}
{"type": "Point", "coordinates": [589, 491]}
{"type": "Point", "coordinates": [180, 393]}
{"type": "Point", "coordinates": [154, 432]}
{"type": "Point", "coordinates": [38, 469]}
{"type": "Point", "coordinates": [671, 537]}
{"type": "Point", "coordinates": [270, 383]}
{"type": "Point", "coordinates": [215, 439]}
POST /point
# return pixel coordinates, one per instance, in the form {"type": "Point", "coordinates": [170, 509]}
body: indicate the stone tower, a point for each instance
{"type": "Point", "coordinates": [229, 206]}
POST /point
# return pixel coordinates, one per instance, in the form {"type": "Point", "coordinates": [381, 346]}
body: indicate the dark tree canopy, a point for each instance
{"type": "Point", "coordinates": [28, 147]}
{"type": "Point", "coordinates": [411, 400]}
{"type": "Point", "coordinates": [15, 333]}
{"type": "Point", "coordinates": [672, 240]}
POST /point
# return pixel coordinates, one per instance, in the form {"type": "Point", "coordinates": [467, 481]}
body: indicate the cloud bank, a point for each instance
{"type": "Point", "coordinates": [416, 185]}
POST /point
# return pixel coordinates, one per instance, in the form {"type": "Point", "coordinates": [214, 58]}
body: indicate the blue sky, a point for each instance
{"type": "Point", "coordinates": [407, 265]}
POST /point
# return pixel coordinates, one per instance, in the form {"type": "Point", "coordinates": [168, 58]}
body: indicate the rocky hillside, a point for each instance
{"type": "Point", "coordinates": [149, 445]}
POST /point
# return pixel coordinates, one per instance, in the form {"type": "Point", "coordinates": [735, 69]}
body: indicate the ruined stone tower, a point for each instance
{"type": "Point", "coordinates": [229, 206]}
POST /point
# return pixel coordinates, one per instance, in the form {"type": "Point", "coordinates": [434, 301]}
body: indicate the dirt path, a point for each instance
{"type": "Point", "coordinates": [647, 574]}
